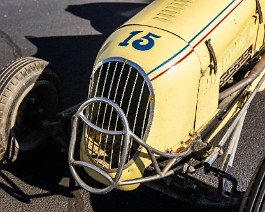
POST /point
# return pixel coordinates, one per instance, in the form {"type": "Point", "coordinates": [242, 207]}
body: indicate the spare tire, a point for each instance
{"type": "Point", "coordinates": [30, 90]}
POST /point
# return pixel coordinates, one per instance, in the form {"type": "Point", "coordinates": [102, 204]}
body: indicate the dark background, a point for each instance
{"type": "Point", "coordinates": [68, 34]}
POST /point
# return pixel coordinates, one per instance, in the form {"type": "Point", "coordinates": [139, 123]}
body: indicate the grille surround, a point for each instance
{"type": "Point", "coordinates": [132, 74]}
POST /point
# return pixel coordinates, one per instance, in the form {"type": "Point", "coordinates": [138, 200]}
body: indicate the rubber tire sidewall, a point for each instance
{"type": "Point", "coordinates": [43, 73]}
{"type": "Point", "coordinates": [251, 201]}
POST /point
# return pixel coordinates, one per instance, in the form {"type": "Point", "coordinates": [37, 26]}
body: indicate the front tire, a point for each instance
{"type": "Point", "coordinates": [30, 90]}
{"type": "Point", "coordinates": [254, 199]}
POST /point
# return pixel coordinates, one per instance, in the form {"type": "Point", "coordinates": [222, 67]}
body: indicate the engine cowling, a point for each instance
{"type": "Point", "coordinates": [155, 104]}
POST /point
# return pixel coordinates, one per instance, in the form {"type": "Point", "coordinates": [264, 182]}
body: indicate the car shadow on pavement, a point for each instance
{"type": "Point", "coordinates": [73, 56]}
{"type": "Point", "coordinates": [48, 172]}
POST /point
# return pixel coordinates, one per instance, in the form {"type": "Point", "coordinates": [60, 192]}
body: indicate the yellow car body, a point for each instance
{"type": "Point", "coordinates": [183, 48]}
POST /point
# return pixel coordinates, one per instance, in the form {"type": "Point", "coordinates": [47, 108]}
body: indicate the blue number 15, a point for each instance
{"type": "Point", "coordinates": [143, 44]}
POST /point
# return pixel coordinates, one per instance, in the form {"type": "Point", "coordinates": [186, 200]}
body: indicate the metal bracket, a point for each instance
{"type": "Point", "coordinates": [212, 55]}
{"type": "Point", "coordinates": [224, 175]}
{"type": "Point", "coordinates": [194, 191]}
{"type": "Point", "coordinates": [259, 11]}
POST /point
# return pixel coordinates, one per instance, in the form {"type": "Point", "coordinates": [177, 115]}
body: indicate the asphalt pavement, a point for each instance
{"type": "Point", "coordinates": [68, 34]}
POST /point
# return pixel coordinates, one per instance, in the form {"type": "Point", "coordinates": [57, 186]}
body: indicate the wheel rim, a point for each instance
{"type": "Point", "coordinates": [37, 103]}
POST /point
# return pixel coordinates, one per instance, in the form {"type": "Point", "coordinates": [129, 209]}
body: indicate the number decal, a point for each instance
{"type": "Point", "coordinates": [132, 34]}
{"type": "Point", "coordinates": [143, 44]}
{"type": "Point", "coordinates": [139, 44]}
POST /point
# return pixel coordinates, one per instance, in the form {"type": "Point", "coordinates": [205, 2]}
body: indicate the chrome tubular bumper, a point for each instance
{"type": "Point", "coordinates": [127, 136]}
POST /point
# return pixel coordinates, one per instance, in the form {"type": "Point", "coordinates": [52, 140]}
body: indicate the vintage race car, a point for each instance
{"type": "Point", "coordinates": [163, 85]}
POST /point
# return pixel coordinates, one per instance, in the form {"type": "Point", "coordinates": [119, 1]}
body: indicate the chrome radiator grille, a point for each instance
{"type": "Point", "coordinates": [128, 86]}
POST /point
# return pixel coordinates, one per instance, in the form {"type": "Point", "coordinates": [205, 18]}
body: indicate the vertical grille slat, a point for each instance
{"type": "Point", "coordinates": [130, 100]}
{"type": "Point", "coordinates": [128, 86]}
{"type": "Point", "coordinates": [145, 116]}
{"type": "Point", "coordinates": [103, 89]}
{"type": "Point", "coordinates": [92, 110]}
{"type": "Point", "coordinates": [118, 84]}
{"type": "Point", "coordinates": [105, 80]}
{"type": "Point", "coordinates": [108, 126]}
{"type": "Point", "coordinates": [125, 87]}
{"type": "Point", "coordinates": [97, 116]}
{"type": "Point", "coordinates": [137, 109]}
{"type": "Point", "coordinates": [136, 114]}
{"type": "Point", "coordinates": [121, 101]}
{"type": "Point", "coordinates": [105, 112]}
{"type": "Point", "coordinates": [117, 117]}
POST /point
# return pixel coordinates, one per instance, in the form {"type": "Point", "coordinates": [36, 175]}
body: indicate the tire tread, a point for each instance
{"type": "Point", "coordinates": [11, 78]}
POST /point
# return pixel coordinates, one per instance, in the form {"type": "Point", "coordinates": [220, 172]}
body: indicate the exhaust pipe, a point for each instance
{"type": "Point", "coordinates": [254, 73]}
